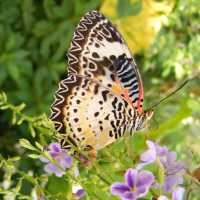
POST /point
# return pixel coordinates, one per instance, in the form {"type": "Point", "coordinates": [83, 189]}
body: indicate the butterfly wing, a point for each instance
{"type": "Point", "coordinates": [95, 47]}
{"type": "Point", "coordinates": [96, 116]}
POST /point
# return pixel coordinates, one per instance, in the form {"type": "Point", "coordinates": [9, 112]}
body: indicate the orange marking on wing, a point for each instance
{"type": "Point", "coordinates": [117, 89]}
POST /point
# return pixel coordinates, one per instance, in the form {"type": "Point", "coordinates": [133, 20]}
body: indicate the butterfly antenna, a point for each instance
{"type": "Point", "coordinates": [170, 94]}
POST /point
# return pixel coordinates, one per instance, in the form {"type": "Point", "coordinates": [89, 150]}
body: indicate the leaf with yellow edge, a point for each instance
{"type": "Point", "coordinates": [139, 29]}
{"type": "Point", "coordinates": [175, 119]}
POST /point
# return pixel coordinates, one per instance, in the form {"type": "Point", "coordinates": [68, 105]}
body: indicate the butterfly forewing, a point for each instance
{"type": "Point", "coordinates": [95, 47]}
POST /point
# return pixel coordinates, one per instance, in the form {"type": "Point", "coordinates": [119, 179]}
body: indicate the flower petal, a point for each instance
{"type": "Point", "coordinates": [68, 160]}
{"type": "Point", "coordinates": [50, 168]}
{"type": "Point", "coordinates": [178, 193]}
{"type": "Point", "coordinates": [142, 191]}
{"type": "Point", "coordinates": [151, 145]}
{"type": "Point", "coordinates": [44, 159]}
{"type": "Point", "coordinates": [80, 193]}
{"type": "Point", "coordinates": [171, 182]}
{"type": "Point", "coordinates": [141, 165]}
{"type": "Point", "coordinates": [131, 177]}
{"type": "Point", "coordinates": [175, 167]}
{"type": "Point", "coordinates": [64, 161]}
{"type": "Point", "coordinates": [59, 173]}
{"type": "Point", "coordinates": [148, 156]}
{"type": "Point", "coordinates": [53, 154]}
{"type": "Point", "coordinates": [162, 197]}
{"type": "Point", "coordinates": [119, 188]}
{"type": "Point", "coordinates": [55, 147]}
{"type": "Point", "coordinates": [129, 196]}
{"type": "Point", "coordinates": [161, 151]}
{"type": "Point", "coordinates": [145, 178]}
{"type": "Point", "coordinates": [171, 157]}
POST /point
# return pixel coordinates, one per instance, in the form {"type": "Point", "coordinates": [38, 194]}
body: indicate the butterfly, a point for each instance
{"type": "Point", "coordinates": [101, 99]}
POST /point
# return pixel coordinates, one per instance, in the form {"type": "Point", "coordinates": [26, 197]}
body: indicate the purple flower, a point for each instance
{"type": "Point", "coordinates": [136, 185]}
{"type": "Point", "coordinates": [63, 161]}
{"type": "Point", "coordinates": [178, 193]}
{"type": "Point", "coordinates": [172, 181]}
{"type": "Point", "coordinates": [173, 171]}
{"type": "Point", "coordinates": [162, 197]}
{"type": "Point", "coordinates": [152, 153]}
{"type": "Point", "coordinates": [41, 196]}
{"type": "Point", "coordinates": [78, 191]}
{"type": "Point", "coordinates": [171, 165]}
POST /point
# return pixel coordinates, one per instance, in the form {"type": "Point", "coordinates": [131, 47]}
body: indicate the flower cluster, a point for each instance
{"type": "Point", "coordinates": [62, 161]}
{"type": "Point", "coordinates": [138, 182]}
{"type": "Point", "coordinates": [61, 158]}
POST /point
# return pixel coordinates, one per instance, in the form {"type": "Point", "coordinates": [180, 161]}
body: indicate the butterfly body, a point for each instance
{"type": "Point", "coordinates": [102, 97]}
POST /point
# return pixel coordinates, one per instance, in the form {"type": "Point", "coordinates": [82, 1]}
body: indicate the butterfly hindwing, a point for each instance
{"type": "Point", "coordinates": [94, 49]}
{"type": "Point", "coordinates": [94, 115]}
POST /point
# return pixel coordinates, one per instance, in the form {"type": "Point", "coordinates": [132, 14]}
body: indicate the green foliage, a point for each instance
{"type": "Point", "coordinates": [175, 52]}
{"type": "Point", "coordinates": [33, 45]}
{"type": "Point", "coordinates": [58, 186]}
{"type": "Point", "coordinates": [34, 38]}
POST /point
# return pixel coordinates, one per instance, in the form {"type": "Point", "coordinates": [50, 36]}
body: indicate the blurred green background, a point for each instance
{"type": "Point", "coordinates": [163, 36]}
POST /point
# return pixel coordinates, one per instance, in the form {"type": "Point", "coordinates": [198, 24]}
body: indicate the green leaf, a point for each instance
{"type": "Point", "coordinates": [32, 130]}
{"type": "Point", "coordinates": [26, 144]}
{"type": "Point", "coordinates": [42, 28]}
{"type": "Point", "coordinates": [4, 107]}
{"type": "Point", "coordinates": [57, 185]}
{"type": "Point", "coordinates": [39, 146]}
{"type": "Point", "coordinates": [34, 156]}
{"type": "Point", "coordinates": [171, 123]}
{"type": "Point", "coordinates": [49, 8]}
{"type": "Point", "coordinates": [18, 186]}
{"type": "Point", "coordinates": [16, 158]}
{"type": "Point", "coordinates": [20, 107]}
{"type": "Point", "coordinates": [27, 10]}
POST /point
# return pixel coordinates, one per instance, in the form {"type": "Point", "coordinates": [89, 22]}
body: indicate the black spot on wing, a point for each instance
{"type": "Point", "coordinates": [114, 103]}
{"type": "Point", "coordinates": [104, 94]}
{"type": "Point", "coordinates": [96, 114]}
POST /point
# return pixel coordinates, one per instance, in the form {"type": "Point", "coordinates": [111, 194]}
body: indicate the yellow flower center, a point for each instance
{"type": "Point", "coordinates": [133, 189]}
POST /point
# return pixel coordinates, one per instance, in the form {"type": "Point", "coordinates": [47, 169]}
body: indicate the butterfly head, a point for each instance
{"type": "Point", "coordinates": [141, 121]}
